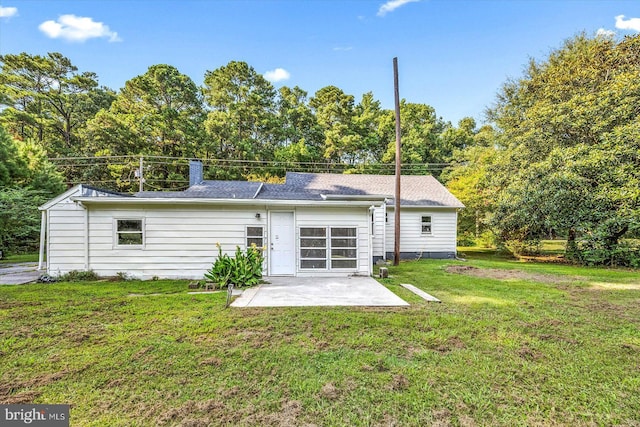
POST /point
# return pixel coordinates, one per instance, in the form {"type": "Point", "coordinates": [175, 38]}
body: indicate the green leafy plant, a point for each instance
{"type": "Point", "coordinates": [79, 276]}
{"type": "Point", "coordinates": [245, 269]}
{"type": "Point", "coordinates": [220, 272]}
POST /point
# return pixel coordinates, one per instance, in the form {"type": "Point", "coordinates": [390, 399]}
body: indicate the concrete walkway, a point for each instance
{"type": "Point", "coordinates": [19, 273]}
{"type": "Point", "coordinates": [317, 291]}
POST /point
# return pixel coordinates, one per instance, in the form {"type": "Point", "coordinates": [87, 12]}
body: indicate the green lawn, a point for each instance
{"type": "Point", "coordinates": [20, 258]}
{"type": "Point", "coordinates": [562, 350]}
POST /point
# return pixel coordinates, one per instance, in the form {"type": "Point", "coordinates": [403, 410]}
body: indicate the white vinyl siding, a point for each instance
{"type": "Point", "coordinates": [65, 237]}
{"type": "Point", "coordinates": [178, 243]}
{"type": "Point", "coordinates": [378, 237]}
{"type": "Point", "coordinates": [443, 230]}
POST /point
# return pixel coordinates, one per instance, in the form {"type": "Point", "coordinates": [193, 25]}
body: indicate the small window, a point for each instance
{"type": "Point", "coordinates": [373, 223]}
{"type": "Point", "coordinates": [426, 224]}
{"type": "Point", "coordinates": [129, 232]}
{"type": "Point", "coordinates": [255, 236]}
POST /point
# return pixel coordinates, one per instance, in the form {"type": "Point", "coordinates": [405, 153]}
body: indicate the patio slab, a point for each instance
{"type": "Point", "coordinates": [19, 273]}
{"type": "Point", "coordinates": [319, 291]}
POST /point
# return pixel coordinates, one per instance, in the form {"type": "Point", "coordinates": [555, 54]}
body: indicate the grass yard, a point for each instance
{"type": "Point", "coordinates": [511, 344]}
{"type": "Point", "coordinates": [20, 258]}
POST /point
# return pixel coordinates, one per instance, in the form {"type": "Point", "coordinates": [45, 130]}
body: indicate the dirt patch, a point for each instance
{"type": "Point", "coordinates": [499, 274]}
{"type": "Point", "coordinates": [329, 391]}
{"type": "Point", "coordinates": [616, 286]}
{"type": "Point", "coordinates": [399, 382]}
{"type": "Point", "coordinates": [529, 354]}
{"type": "Point", "coordinates": [440, 417]}
{"type": "Point", "coordinates": [9, 392]}
{"type": "Point", "coordinates": [452, 343]}
{"type": "Point", "coordinates": [20, 398]}
{"type": "Point", "coordinates": [212, 361]}
{"type": "Point", "coordinates": [216, 412]}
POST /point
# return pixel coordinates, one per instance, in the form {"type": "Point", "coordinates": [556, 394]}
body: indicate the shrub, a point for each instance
{"type": "Point", "coordinates": [79, 276]}
{"type": "Point", "coordinates": [243, 270]}
{"type": "Point", "coordinates": [594, 252]}
{"type": "Point", "coordinates": [518, 247]}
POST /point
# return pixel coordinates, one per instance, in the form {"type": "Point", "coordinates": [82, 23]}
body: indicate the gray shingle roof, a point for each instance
{"type": "Point", "coordinates": [416, 190]}
{"type": "Point", "coordinates": [209, 190]}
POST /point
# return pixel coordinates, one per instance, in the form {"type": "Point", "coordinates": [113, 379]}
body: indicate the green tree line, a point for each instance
{"type": "Point", "coordinates": [557, 157]}
{"type": "Point", "coordinates": [236, 116]}
{"type": "Point", "coordinates": [563, 157]}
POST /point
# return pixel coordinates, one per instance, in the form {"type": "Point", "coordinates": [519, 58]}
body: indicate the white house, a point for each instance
{"type": "Point", "coordinates": [313, 224]}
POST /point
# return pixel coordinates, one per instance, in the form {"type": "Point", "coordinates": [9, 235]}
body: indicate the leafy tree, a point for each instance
{"type": "Point", "coordinates": [468, 179]}
{"type": "Point", "coordinates": [568, 135]}
{"type": "Point", "coordinates": [335, 113]}
{"type": "Point", "coordinates": [159, 113]}
{"type": "Point", "coordinates": [242, 123]}
{"type": "Point", "coordinates": [48, 100]}
{"type": "Point", "coordinates": [12, 166]}
{"type": "Point", "coordinates": [421, 137]}
{"type": "Point", "coordinates": [368, 120]}
{"type": "Point", "coordinates": [300, 136]}
{"type": "Point", "coordinates": [27, 180]}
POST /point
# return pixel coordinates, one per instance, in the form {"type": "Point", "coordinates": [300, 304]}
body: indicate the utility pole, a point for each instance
{"type": "Point", "coordinates": [396, 249]}
{"type": "Point", "coordinates": [140, 174]}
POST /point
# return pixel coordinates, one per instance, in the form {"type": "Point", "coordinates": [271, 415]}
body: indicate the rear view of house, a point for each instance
{"type": "Point", "coordinates": [313, 224]}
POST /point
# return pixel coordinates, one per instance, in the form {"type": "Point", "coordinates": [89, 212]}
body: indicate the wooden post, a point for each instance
{"type": "Point", "coordinates": [140, 173]}
{"type": "Point", "coordinates": [396, 249]}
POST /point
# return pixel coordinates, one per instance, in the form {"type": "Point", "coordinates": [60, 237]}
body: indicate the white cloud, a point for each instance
{"type": "Point", "coordinates": [628, 24]}
{"type": "Point", "coordinates": [605, 33]}
{"type": "Point", "coordinates": [277, 75]}
{"type": "Point", "coordinates": [77, 29]}
{"type": "Point", "coordinates": [8, 12]}
{"type": "Point", "coordinates": [343, 48]}
{"type": "Point", "coordinates": [392, 5]}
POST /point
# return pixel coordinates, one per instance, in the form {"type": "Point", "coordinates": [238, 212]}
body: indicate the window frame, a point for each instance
{"type": "Point", "coordinates": [301, 259]}
{"type": "Point", "coordinates": [424, 223]}
{"type": "Point", "coordinates": [353, 238]}
{"type": "Point", "coordinates": [247, 245]}
{"type": "Point", "coordinates": [117, 233]}
{"type": "Point", "coordinates": [328, 248]}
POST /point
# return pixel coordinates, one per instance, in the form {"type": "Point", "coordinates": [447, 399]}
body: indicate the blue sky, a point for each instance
{"type": "Point", "coordinates": [452, 54]}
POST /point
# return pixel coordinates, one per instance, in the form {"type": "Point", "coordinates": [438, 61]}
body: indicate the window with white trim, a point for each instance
{"type": "Point", "coordinates": [313, 248]}
{"type": "Point", "coordinates": [344, 247]}
{"type": "Point", "coordinates": [129, 232]}
{"type": "Point", "coordinates": [328, 248]}
{"type": "Point", "coordinates": [426, 224]}
{"type": "Point", "coordinates": [255, 236]}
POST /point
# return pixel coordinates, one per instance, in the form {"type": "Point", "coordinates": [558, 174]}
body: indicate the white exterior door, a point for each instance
{"type": "Point", "coordinates": [282, 251]}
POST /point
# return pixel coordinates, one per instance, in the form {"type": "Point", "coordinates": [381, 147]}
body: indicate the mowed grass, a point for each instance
{"type": "Point", "coordinates": [563, 349]}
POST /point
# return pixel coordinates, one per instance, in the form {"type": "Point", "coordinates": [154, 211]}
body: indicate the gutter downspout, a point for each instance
{"type": "Point", "coordinates": [43, 233]}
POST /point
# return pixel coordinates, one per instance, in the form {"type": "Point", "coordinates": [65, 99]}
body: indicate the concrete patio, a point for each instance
{"type": "Point", "coordinates": [19, 273]}
{"type": "Point", "coordinates": [319, 291]}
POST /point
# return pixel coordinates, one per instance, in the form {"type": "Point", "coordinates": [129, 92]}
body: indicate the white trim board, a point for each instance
{"type": "Point", "coordinates": [420, 292]}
